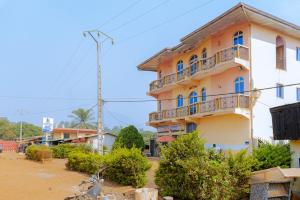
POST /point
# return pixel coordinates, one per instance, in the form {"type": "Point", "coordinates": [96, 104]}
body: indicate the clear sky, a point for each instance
{"type": "Point", "coordinates": [44, 54]}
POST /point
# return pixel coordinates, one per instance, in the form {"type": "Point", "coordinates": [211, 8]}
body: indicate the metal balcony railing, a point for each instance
{"type": "Point", "coordinates": [202, 65]}
{"type": "Point", "coordinates": [214, 105]}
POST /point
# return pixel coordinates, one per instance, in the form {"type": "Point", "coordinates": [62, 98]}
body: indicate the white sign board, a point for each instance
{"type": "Point", "coordinates": [48, 124]}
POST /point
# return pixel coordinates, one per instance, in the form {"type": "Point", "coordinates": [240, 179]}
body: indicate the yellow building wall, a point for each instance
{"type": "Point", "coordinates": [228, 129]}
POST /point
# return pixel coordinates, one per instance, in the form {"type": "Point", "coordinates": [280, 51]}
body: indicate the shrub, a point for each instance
{"type": "Point", "coordinates": [84, 162]}
{"type": "Point", "coordinates": [129, 137]}
{"type": "Point", "coordinates": [188, 171]}
{"type": "Point", "coordinates": [63, 150]}
{"type": "Point", "coordinates": [38, 153]}
{"type": "Point", "coordinates": [240, 165]}
{"type": "Point", "coordinates": [127, 166]}
{"type": "Point", "coordinates": [268, 155]}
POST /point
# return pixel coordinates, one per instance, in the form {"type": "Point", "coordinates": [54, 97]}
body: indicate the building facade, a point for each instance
{"type": "Point", "coordinates": [211, 80]}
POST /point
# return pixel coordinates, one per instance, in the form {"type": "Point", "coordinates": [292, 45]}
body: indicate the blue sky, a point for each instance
{"type": "Point", "coordinates": [44, 54]}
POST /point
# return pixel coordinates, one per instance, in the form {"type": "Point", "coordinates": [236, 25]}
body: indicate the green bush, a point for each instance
{"type": "Point", "coordinates": [188, 171]}
{"type": "Point", "coordinates": [129, 137]}
{"type": "Point", "coordinates": [38, 152]}
{"type": "Point", "coordinates": [127, 167]}
{"type": "Point", "coordinates": [240, 165]}
{"type": "Point", "coordinates": [63, 150]}
{"type": "Point", "coordinates": [268, 155]}
{"type": "Point", "coordinates": [84, 162]}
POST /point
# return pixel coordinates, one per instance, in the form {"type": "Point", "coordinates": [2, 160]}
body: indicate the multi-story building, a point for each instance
{"type": "Point", "coordinates": [209, 81]}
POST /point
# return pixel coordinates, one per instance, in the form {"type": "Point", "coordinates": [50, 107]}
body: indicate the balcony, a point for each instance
{"type": "Point", "coordinates": [236, 104]}
{"type": "Point", "coordinates": [219, 62]}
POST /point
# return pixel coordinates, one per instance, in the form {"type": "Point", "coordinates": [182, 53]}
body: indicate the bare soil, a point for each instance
{"type": "Point", "coordinates": [29, 180]}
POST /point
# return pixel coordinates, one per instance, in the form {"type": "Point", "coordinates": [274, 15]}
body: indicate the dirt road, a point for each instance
{"type": "Point", "coordinates": [22, 179]}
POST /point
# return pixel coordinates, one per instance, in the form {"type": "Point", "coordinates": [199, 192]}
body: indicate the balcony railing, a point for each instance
{"type": "Point", "coordinates": [202, 65]}
{"type": "Point", "coordinates": [214, 105]}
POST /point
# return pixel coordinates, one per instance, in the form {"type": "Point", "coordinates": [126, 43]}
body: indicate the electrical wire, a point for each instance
{"type": "Point", "coordinates": [212, 95]}
{"type": "Point", "coordinates": [139, 16]}
{"type": "Point", "coordinates": [166, 21]}
{"type": "Point", "coordinates": [120, 13]}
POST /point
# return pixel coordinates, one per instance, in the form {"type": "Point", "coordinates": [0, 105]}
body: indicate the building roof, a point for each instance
{"type": "Point", "coordinates": [165, 139]}
{"type": "Point", "coordinates": [237, 14]}
{"type": "Point", "coordinates": [74, 130]}
{"type": "Point", "coordinates": [275, 175]}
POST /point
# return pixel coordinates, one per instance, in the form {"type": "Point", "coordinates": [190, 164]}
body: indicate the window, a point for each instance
{"type": "Point", "coordinates": [159, 75]}
{"type": "Point", "coordinates": [279, 91]}
{"type": "Point", "coordinates": [66, 135]}
{"type": "Point", "coordinates": [193, 100]}
{"type": "Point", "coordinates": [193, 64]}
{"type": "Point", "coordinates": [298, 94]}
{"type": "Point", "coordinates": [204, 56]}
{"type": "Point", "coordinates": [238, 38]}
{"type": "Point", "coordinates": [179, 101]}
{"type": "Point", "coordinates": [280, 53]}
{"type": "Point", "coordinates": [203, 94]}
{"type": "Point", "coordinates": [239, 85]}
{"type": "Point", "coordinates": [298, 53]}
{"type": "Point", "coordinates": [179, 69]}
{"type": "Point", "coordinates": [190, 127]}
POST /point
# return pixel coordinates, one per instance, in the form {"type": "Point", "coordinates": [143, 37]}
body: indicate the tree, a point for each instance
{"type": "Point", "coordinates": [129, 137]}
{"type": "Point", "coordinates": [82, 118]}
{"type": "Point", "coordinates": [268, 155]}
{"type": "Point", "coordinates": [6, 130]}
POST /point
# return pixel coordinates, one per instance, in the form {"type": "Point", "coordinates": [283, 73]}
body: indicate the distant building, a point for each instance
{"type": "Point", "coordinates": [71, 133]}
{"type": "Point", "coordinates": [108, 141]}
{"type": "Point", "coordinates": [204, 82]}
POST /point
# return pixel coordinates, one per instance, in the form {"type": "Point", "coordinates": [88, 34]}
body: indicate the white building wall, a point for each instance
{"type": "Point", "coordinates": [265, 74]}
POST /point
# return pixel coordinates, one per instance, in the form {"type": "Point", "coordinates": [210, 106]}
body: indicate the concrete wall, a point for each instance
{"type": "Point", "coordinates": [265, 74]}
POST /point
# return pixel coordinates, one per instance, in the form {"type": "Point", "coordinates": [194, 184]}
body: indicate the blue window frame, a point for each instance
{"type": "Point", "coordinates": [193, 64]}
{"type": "Point", "coordinates": [192, 101]}
{"type": "Point", "coordinates": [179, 101]}
{"type": "Point", "coordinates": [238, 38]}
{"type": "Point", "coordinates": [180, 69]}
{"type": "Point", "coordinates": [203, 94]}
{"type": "Point", "coordinates": [279, 91]}
{"type": "Point", "coordinates": [298, 94]}
{"type": "Point", "coordinates": [298, 53]}
{"type": "Point", "coordinates": [239, 85]}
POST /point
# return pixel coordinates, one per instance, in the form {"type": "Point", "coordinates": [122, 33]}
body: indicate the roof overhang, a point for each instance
{"type": "Point", "coordinates": [238, 14]}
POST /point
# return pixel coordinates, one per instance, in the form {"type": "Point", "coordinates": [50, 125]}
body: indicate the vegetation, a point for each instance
{"type": "Point", "coordinates": [63, 150]}
{"type": "Point", "coordinates": [82, 118]}
{"type": "Point", "coordinates": [84, 162]}
{"type": "Point", "coordinates": [38, 152]}
{"type": "Point", "coordinates": [129, 137]}
{"type": "Point", "coordinates": [10, 130]}
{"type": "Point", "coordinates": [188, 171]}
{"type": "Point", "coordinates": [127, 167]}
{"type": "Point", "coordinates": [268, 155]}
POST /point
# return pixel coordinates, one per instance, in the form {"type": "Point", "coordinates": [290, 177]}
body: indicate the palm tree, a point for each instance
{"type": "Point", "coordinates": [82, 118]}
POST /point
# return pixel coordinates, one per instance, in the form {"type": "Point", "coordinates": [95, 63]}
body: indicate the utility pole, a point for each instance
{"type": "Point", "coordinates": [99, 37]}
{"type": "Point", "coordinates": [21, 126]}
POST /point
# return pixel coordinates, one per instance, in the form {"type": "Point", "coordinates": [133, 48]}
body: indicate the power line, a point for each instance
{"type": "Point", "coordinates": [212, 95]}
{"type": "Point", "coordinates": [166, 21]}
{"type": "Point", "coordinates": [120, 13]}
{"type": "Point", "coordinates": [139, 16]}
{"type": "Point", "coordinates": [46, 98]}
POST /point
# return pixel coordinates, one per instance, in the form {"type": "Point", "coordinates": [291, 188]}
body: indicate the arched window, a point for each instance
{"type": "Point", "coordinates": [239, 85]}
{"type": "Point", "coordinates": [238, 38]}
{"type": "Point", "coordinates": [193, 99]}
{"type": "Point", "coordinates": [204, 56]}
{"type": "Point", "coordinates": [203, 94]}
{"type": "Point", "coordinates": [180, 69]}
{"type": "Point", "coordinates": [179, 101]}
{"type": "Point", "coordinates": [193, 64]}
{"type": "Point", "coordinates": [280, 53]}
